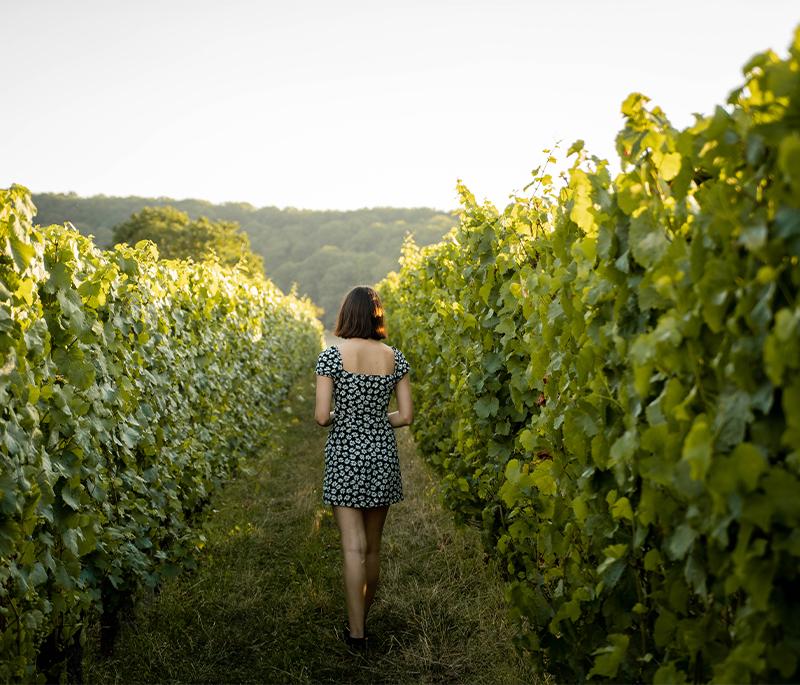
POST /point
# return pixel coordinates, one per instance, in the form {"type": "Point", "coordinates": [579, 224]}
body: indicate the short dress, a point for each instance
{"type": "Point", "coordinates": [361, 464]}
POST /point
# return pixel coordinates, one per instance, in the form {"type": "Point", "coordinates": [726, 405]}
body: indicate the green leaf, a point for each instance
{"type": "Point", "coordinates": [60, 278]}
{"type": "Point", "coordinates": [669, 674]}
{"type": "Point", "coordinates": [622, 509]}
{"type": "Point", "coordinates": [486, 407]}
{"type": "Point", "coordinates": [681, 540]}
{"type": "Point", "coordinates": [22, 251]}
{"type": "Point", "coordinates": [714, 291]}
{"type": "Point", "coordinates": [732, 417]}
{"type": "Point", "coordinates": [71, 498]}
{"type": "Point", "coordinates": [629, 197]}
{"type": "Point", "coordinates": [697, 448]}
{"type": "Point", "coordinates": [695, 574]}
{"type": "Point", "coordinates": [615, 552]}
{"type": "Point", "coordinates": [542, 478]}
{"type": "Point", "coordinates": [749, 463]}
{"type": "Point", "coordinates": [753, 237]}
{"type": "Point", "coordinates": [647, 240]}
{"type": "Point", "coordinates": [781, 487]}
{"type": "Point", "coordinates": [624, 446]}
{"type": "Point", "coordinates": [580, 509]}
{"type": "Point", "coordinates": [785, 325]}
{"type": "Point", "coordinates": [609, 658]}
{"type": "Point", "coordinates": [37, 575]}
{"type": "Point", "coordinates": [634, 104]}
{"type": "Point", "coordinates": [670, 165]}
{"type": "Point", "coordinates": [70, 540]}
{"type": "Point", "coordinates": [789, 159]}
{"type": "Point", "coordinates": [787, 223]}
{"type": "Point", "coordinates": [527, 439]}
{"type": "Point", "coordinates": [25, 291]}
{"type": "Point", "coordinates": [664, 627]}
{"type": "Point", "coordinates": [576, 147]}
{"type": "Point", "coordinates": [81, 373]}
{"type": "Point", "coordinates": [652, 560]}
{"type": "Point", "coordinates": [790, 403]}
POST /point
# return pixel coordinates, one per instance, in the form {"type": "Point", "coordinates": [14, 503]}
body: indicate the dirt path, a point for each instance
{"type": "Point", "coordinates": [266, 604]}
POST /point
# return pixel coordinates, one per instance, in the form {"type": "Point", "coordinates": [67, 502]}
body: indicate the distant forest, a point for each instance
{"type": "Point", "coordinates": [324, 252]}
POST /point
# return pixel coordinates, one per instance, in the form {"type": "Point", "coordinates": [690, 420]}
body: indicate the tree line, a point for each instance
{"type": "Point", "coordinates": [323, 252]}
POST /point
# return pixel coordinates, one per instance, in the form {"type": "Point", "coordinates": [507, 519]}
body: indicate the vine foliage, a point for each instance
{"type": "Point", "coordinates": [130, 388]}
{"type": "Point", "coordinates": [608, 383]}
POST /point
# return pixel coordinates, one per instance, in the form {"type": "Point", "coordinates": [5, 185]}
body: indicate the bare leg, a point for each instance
{"type": "Point", "coordinates": [354, 545]}
{"type": "Point", "coordinates": [374, 519]}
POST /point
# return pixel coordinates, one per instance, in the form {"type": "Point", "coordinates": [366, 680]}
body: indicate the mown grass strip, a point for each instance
{"type": "Point", "coordinates": [266, 604]}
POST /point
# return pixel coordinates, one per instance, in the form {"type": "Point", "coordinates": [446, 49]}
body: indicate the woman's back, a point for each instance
{"type": "Point", "coordinates": [362, 396]}
{"type": "Point", "coordinates": [368, 357]}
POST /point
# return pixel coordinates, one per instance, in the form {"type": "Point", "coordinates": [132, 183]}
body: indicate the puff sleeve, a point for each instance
{"type": "Point", "coordinates": [402, 366]}
{"type": "Point", "coordinates": [327, 363]}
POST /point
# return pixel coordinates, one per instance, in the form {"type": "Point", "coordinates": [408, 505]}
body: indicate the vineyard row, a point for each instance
{"type": "Point", "coordinates": [130, 389]}
{"type": "Point", "coordinates": [607, 376]}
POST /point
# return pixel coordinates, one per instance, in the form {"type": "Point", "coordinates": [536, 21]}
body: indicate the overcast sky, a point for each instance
{"type": "Point", "coordinates": [324, 104]}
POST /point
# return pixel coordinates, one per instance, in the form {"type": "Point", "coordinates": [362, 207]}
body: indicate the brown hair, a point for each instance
{"type": "Point", "coordinates": [361, 315]}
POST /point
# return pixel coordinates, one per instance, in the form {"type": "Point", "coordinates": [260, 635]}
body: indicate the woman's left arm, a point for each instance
{"type": "Point", "coordinates": [405, 406]}
{"type": "Point", "coordinates": [322, 409]}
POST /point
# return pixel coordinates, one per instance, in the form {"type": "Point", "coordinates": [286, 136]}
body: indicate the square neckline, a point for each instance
{"type": "Point", "coordinates": [368, 375]}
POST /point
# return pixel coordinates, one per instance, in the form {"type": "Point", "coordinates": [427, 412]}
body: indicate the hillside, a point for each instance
{"type": "Point", "coordinates": [324, 252]}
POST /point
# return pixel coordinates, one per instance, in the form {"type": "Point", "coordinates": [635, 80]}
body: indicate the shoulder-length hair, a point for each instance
{"type": "Point", "coordinates": [361, 315]}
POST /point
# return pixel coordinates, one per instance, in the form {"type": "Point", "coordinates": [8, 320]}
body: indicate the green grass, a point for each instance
{"type": "Point", "coordinates": [267, 602]}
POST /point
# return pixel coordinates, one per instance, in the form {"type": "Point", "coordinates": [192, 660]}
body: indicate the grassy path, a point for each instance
{"type": "Point", "coordinates": [267, 604]}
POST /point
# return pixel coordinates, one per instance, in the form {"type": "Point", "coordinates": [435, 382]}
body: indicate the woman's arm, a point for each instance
{"type": "Point", "coordinates": [405, 407]}
{"type": "Point", "coordinates": [322, 409]}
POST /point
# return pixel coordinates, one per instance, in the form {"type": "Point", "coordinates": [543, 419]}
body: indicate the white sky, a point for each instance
{"type": "Point", "coordinates": [324, 104]}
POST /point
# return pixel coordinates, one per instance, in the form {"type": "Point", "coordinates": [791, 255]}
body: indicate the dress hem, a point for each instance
{"type": "Point", "coordinates": [363, 506]}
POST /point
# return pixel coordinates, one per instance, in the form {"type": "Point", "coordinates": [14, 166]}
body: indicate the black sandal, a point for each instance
{"type": "Point", "coordinates": [355, 642]}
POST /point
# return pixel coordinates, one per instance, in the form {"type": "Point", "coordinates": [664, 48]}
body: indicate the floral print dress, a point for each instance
{"type": "Point", "coordinates": [361, 465]}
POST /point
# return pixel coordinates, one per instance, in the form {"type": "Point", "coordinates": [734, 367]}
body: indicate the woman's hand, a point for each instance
{"type": "Point", "coordinates": [396, 420]}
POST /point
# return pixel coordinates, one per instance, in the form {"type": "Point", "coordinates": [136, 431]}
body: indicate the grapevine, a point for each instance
{"type": "Point", "coordinates": [131, 388]}
{"type": "Point", "coordinates": [608, 383]}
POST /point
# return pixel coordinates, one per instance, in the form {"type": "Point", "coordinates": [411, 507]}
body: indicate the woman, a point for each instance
{"type": "Point", "coordinates": [362, 471]}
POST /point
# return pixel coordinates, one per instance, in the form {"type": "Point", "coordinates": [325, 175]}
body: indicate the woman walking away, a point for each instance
{"type": "Point", "coordinates": [362, 471]}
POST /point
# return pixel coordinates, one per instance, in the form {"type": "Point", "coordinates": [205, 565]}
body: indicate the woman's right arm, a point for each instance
{"type": "Point", "coordinates": [322, 408]}
{"type": "Point", "coordinates": [405, 407]}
